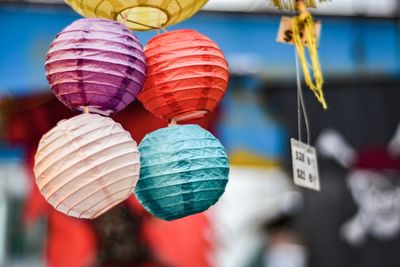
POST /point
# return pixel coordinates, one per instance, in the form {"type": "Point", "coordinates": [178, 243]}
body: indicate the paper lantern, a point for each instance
{"type": "Point", "coordinates": [184, 171]}
{"type": "Point", "coordinates": [86, 165]}
{"type": "Point", "coordinates": [187, 75]}
{"type": "Point", "coordinates": [96, 63]}
{"type": "Point", "coordinates": [139, 14]}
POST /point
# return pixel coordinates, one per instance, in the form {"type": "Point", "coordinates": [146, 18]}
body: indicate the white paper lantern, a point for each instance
{"type": "Point", "coordinates": [86, 165]}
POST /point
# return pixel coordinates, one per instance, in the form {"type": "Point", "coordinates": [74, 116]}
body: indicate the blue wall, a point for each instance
{"type": "Point", "coordinates": [247, 40]}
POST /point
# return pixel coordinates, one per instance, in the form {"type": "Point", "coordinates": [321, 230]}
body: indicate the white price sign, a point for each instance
{"type": "Point", "coordinates": [305, 165]}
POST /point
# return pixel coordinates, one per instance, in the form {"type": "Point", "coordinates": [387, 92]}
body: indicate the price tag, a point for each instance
{"type": "Point", "coordinates": [285, 32]}
{"type": "Point", "coordinates": [305, 165]}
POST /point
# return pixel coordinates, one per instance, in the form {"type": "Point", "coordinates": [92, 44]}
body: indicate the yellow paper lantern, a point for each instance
{"type": "Point", "coordinates": [139, 15]}
{"type": "Point", "coordinates": [86, 165]}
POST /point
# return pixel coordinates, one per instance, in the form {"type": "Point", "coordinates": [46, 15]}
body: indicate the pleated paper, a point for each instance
{"type": "Point", "coordinates": [96, 63]}
{"type": "Point", "coordinates": [184, 171]}
{"type": "Point", "coordinates": [86, 165]}
{"type": "Point", "coordinates": [139, 14]}
{"type": "Point", "coordinates": [187, 75]}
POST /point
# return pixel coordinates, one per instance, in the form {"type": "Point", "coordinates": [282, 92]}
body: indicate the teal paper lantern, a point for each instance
{"type": "Point", "coordinates": [184, 170]}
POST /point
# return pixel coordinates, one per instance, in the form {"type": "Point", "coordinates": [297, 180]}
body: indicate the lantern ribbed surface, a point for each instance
{"type": "Point", "coordinates": [184, 171]}
{"type": "Point", "coordinates": [187, 75]}
{"type": "Point", "coordinates": [86, 165]}
{"type": "Point", "coordinates": [96, 63]}
{"type": "Point", "coordinates": [139, 14]}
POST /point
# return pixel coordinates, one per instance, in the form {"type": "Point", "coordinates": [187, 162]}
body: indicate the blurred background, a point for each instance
{"type": "Point", "coordinates": [262, 220]}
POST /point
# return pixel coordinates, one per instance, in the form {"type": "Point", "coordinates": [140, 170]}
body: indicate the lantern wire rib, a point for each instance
{"type": "Point", "coordinates": [104, 202]}
{"type": "Point", "coordinates": [115, 53]}
{"type": "Point", "coordinates": [174, 114]}
{"type": "Point", "coordinates": [214, 68]}
{"type": "Point", "coordinates": [185, 171]}
{"type": "Point", "coordinates": [180, 44]}
{"type": "Point", "coordinates": [163, 154]}
{"type": "Point", "coordinates": [192, 160]}
{"type": "Point", "coordinates": [186, 89]}
{"type": "Point", "coordinates": [163, 208]}
{"type": "Point", "coordinates": [167, 143]}
{"type": "Point", "coordinates": [91, 182]}
{"type": "Point", "coordinates": [188, 211]}
{"type": "Point", "coordinates": [178, 194]}
{"type": "Point", "coordinates": [110, 196]}
{"type": "Point", "coordinates": [103, 210]}
{"type": "Point", "coordinates": [99, 31]}
{"type": "Point", "coordinates": [138, 23]}
{"type": "Point", "coordinates": [111, 53]}
{"type": "Point", "coordinates": [168, 103]}
{"type": "Point", "coordinates": [55, 139]}
{"type": "Point", "coordinates": [63, 186]}
{"type": "Point", "coordinates": [186, 183]}
{"type": "Point", "coordinates": [118, 201]}
{"type": "Point", "coordinates": [97, 191]}
{"type": "Point", "coordinates": [96, 93]}
{"type": "Point", "coordinates": [75, 164]}
{"type": "Point", "coordinates": [142, 24]}
{"type": "Point", "coordinates": [65, 141]}
{"type": "Point", "coordinates": [55, 133]}
{"type": "Point", "coordinates": [78, 148]}
{"type": "Point", "coordinates": [188, 78]}
{"type": "Point", "coordinates": [96, 7]}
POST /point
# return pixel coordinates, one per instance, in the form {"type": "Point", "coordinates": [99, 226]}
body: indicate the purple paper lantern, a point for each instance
{"type": "Point", "coordinates": [96, 63]}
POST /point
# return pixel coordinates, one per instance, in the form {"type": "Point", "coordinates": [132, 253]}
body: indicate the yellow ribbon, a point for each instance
{"type": "Point", "coordinates": [291, 4]}
{"type": "Point", "coordinates": [306, 22]}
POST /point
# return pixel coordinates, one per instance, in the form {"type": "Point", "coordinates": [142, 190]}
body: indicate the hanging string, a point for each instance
{"type": "Point", "coordinates": [301, 107]}
{"type": "Point", "coordinates": [305, 23]}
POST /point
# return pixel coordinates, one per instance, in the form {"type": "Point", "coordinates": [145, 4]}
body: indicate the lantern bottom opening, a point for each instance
{"type": "Point", "coordinates": [143, 17]}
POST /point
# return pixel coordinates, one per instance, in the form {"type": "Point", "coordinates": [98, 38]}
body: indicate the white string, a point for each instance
{"type": "Point", "coordinates": [301, 108]}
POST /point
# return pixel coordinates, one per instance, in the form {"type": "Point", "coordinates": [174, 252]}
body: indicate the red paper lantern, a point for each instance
{"type": "Point", "coordinates": [187, 75]}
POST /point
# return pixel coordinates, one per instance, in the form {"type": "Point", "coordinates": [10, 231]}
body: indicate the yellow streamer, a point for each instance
{"type": "Point", "coordinates": [306, 22]}
{"type": "Point", "coordinates": [291, 4]}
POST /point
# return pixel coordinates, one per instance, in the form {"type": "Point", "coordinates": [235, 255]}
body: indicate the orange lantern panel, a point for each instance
{"type": "Point", "coordinates": [187, 75]}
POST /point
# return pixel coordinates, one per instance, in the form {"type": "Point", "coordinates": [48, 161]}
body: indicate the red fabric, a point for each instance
{"type": "Point", "coordinates": [186, 73]}
{"type": "Point", "coordinates": [377, 158]}
{"type": "Point", "coordinates": [182, 243]}
{"type": "Point", "coordinates": [70, 242]}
